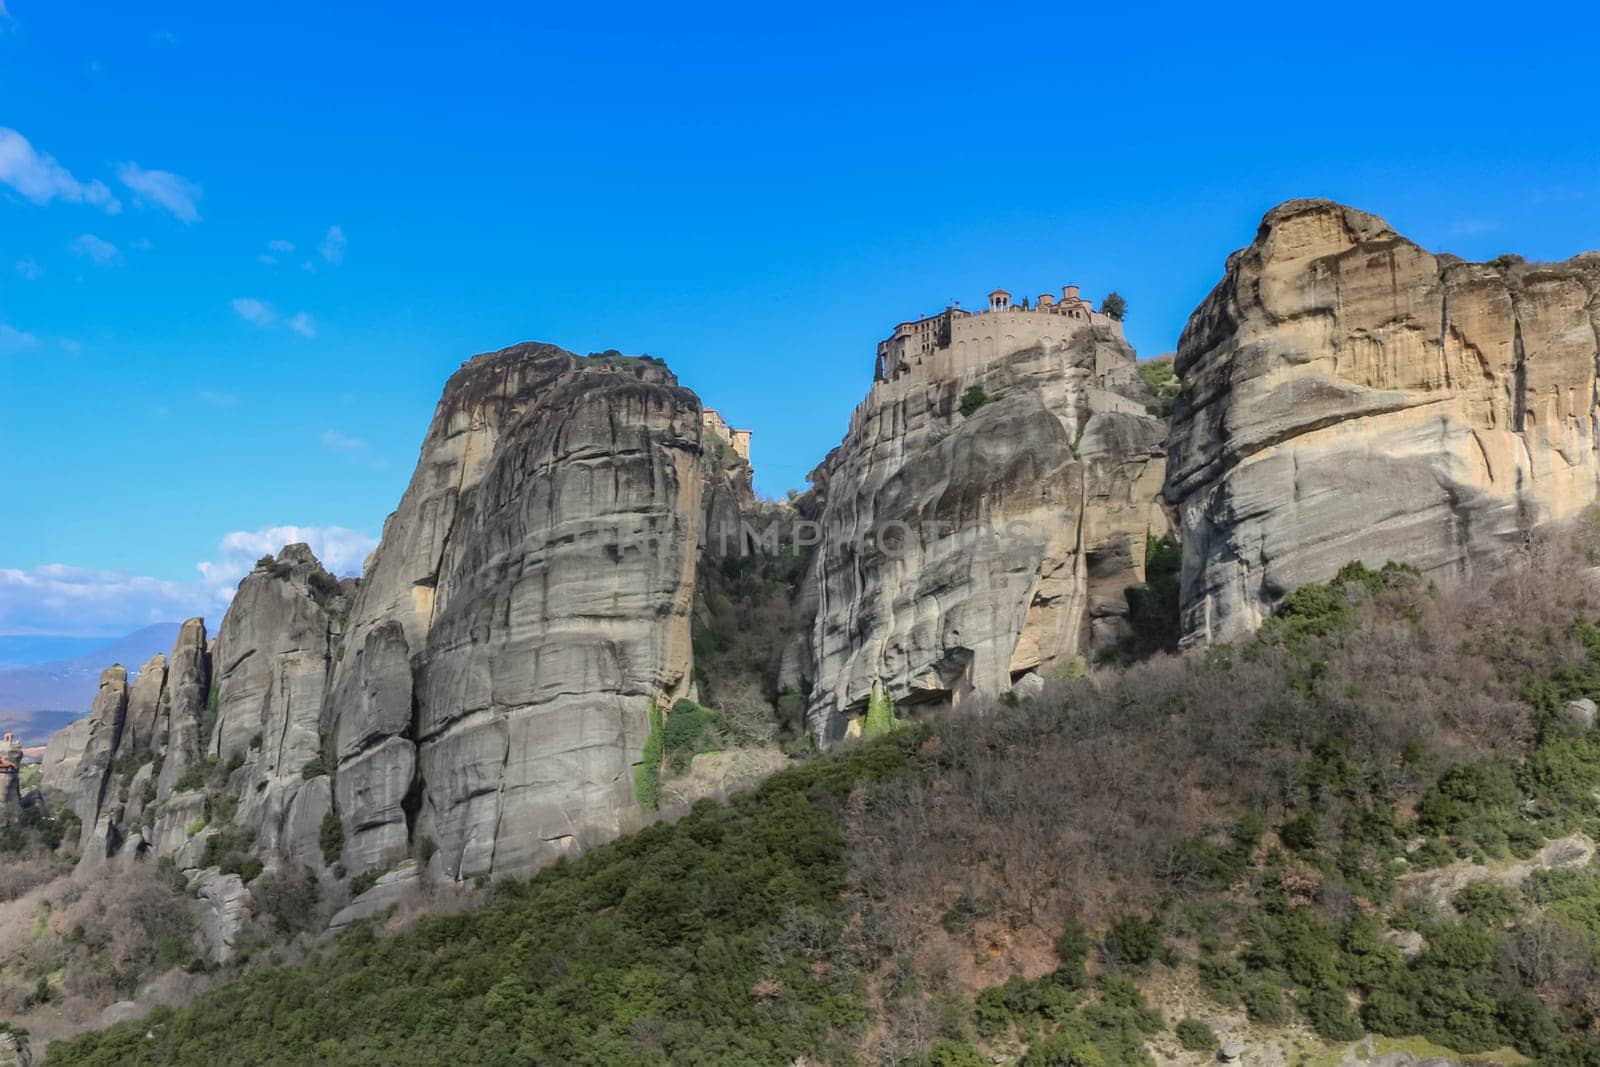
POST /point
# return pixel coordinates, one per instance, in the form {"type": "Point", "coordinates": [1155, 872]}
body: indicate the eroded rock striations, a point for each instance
{"type": "Point", "coordinates": [530, 599]}
{"type": "Point", "coordinates": [486, 691]}
{"type": "Point", "coordinates": [1347, 395]}
{"type": "Point", "coordinates": [962, 550]}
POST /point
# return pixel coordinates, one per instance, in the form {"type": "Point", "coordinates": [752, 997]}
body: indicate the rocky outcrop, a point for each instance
{"type": "Point", "coordinates": [1347, 395]}
{"type": "Point", "coordinates": [273, 657]}
{"type": "Point", "coordinates": [145, 707]}
{"type": "Point", "coordinates": [186, 699]}
{"type": "Point", "coordinates": [960, 552]}
{"type": "Point", "coordinates": [223, 909]}
{"type": "Point", "coordinates": [529, 600]}
{"type": "Point", "coordinates": [85, 790]}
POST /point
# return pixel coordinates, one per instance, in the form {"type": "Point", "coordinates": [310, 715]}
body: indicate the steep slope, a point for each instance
{"type": "Point", "coordinates": [1348, 395]}
{"type": "Point", "coordinates": [984, 516]}
{"type": "Point", "coordinates": [1307, 854]}
{"type": "Point", "coordinates": [529, 601]}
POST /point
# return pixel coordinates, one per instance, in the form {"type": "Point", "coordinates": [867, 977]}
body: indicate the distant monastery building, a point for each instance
{"type": "Point", "coordinates": [956, 340]}
{"type": "Point", "coordinates": [711, 421]}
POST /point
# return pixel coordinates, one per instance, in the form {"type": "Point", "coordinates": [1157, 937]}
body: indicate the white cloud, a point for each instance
{"type": "Point", "coordinates": [15, 340]}
{"type": "Point", "coordinates": [333, 245]}
{"type": "Point", "coordinates": [355, 449]}
{"type": "Point", "coordinates": [1472, 227]}
{"type": "Point", "coordinates": [216, 399]}
{"type": "Point", "coordinates": [164, 39]}
{"type": "Point", "coordinates": [265, 315]}
{"type": "Point", "coordinates": [140, 244]}
{"type": "Point", "coordinates": [100, 252]}
{"type": "Point", "coordinates": [280, 246]}
{"type": "Point", "coordinates": [40, 178]}
{"type": "Point", "coordinates": [176, 194]}
{"type": "Point", "coordinates": [58, 598]}
{"type": "Point", "coordinates": [271, 261]}
{"type": "Point", "coordinates": [69, 345]}
{"type": "Point", "coordinates": [257, 311]}
{"type": "Point", "coordinates": [342, 442]}
{"type": "Point", "coordinates": [4, 14]}
{"type": "Point", "coordinates": [63, 599]}
{"type": "Point", "coordinates": [30, 269]}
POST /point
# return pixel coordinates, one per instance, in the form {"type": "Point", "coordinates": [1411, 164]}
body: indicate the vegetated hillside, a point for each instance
{"type": "Point", "coordinates": [1337, 828]}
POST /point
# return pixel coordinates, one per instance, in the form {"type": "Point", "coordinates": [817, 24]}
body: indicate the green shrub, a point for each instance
{"type": "Point", "coordinates": [1160, 376]}
{"type": "Point", "coordinates": [1299, 834]}
{"type": "Point", "coordinates": [364, 881]}
{"type": "Point", "coordinates": [1223, 978]}
{"type": "Point", "coordinates": [1469, 793]}
{"type": "Point", "coordinates": [331, 838]}
{"type": "Point", "coordinates": [315, 767]}
{"type": "Point", "coordinates": [880, 718]}
{"type": "Point", "coordinates": [948, 1053]}
{"type": "Point", "coordinates": [1487, 902]}
{"type": "Point", "coordinates": [1072, 949]}
{"type": "Point", "coordinates": [1265, 1003]}
{"type": "Point", "coordinates": [973, 399]}
{"type": "Point", "coordinates": [992, 1013]}
{"type": "Point", "coordinates": [1195, 1035]}
{"type": "Point", "coordinates": [195, 777]}
{"type": "Point", "coordinates": [1134, 939]}
{"type": "Point", "coordinates": [1328, 1012]}
{"type": "Point", "coordinates": [689, 730]}
{"type": "Point", "coordinates": [647, 774]}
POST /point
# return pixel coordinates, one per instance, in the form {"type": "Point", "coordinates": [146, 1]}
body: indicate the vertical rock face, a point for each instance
{"type": "Point", "coordinates": [960, 552]}
{"type": "Point", "coordinates": [530, 598]}
{"type": "Point", "coordinates": [188, 689]}
{"type": "Point", "coordinates": [145, 706]}
{"type": "Point", "coordinates": [1348, 395]}
{"type": "Point", "coordinates": [273, 655]}
{"type": "Point", "coordinates": [87, 788]}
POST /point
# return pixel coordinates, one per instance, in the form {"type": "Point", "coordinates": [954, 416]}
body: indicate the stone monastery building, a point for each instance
{"type": "Point", "coordinates": [956, 340]}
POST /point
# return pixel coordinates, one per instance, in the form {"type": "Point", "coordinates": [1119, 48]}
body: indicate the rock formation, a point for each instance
{"type": "Point", "coordinates": [273, 657]}
{"type": "Point", "coordinates": [962, 551]}
{"type": "Point", "coordinates": [1347, 395]}
{"type": "Point", "coordinates": [529, 600]}
{"type": "Point", "coordinates": [185, 700]}
{"type": "Point", "coordinates": [10, 784]}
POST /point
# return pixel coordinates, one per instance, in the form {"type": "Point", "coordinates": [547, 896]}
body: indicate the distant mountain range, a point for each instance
{"type": "Point", "coordinates": [37, 698]}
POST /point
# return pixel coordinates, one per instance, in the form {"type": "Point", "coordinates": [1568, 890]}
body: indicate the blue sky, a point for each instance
{"type": "Point", "coordinates": [241, 248]}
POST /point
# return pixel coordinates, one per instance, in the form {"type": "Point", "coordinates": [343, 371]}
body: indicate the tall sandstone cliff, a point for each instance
{"type": "Point", "coordinates": [485, 688]}
{"type": "Point", "coordinates": [530, 598]}
{"type": "Point", "coordinates": [959, 552]}
{"type": "Point", "coordinates": [1347, 395]}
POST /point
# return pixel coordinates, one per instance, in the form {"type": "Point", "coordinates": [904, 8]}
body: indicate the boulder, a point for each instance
{"type": "Point", "coordinates": [1028, 687]}
{"type": "Point", "coordinates": [390, 889]}
{"type": "Point", "coordinates": [1582, 712]}
{"type": "Point", "coordinates": [223, 909]}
